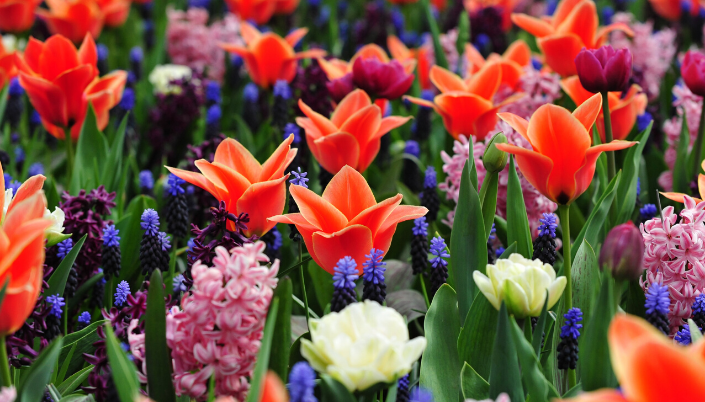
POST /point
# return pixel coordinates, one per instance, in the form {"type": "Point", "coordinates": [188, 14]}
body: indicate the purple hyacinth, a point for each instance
{"type": "Point", "coordinates": [282, 89]}
{"type": "Point", "coordinates": [302, 381]}
{"type": "Point", "coordinates": [412, 148]}
{"type": "Point", "coordinates": [110, 236]}
{"type": "Point", "coordinates": [121, 293]}
{"type": "Point", "coordinates": [213, 92]}
{"type": "Point", "coordinates": [438, 249]}
{"type": "Point", "coordinates": [146, 180]}
{"type": "Point", "coordinates": [291, 128]}
{"type": "Point", "coordinates": [572, 325]}
{"type": "Point", "coordinates": [420, 227]}
{"type": "Point", "coordinates": [150, 222]}
{"type": "Point", "coordinates": [548, 225]}
{"type": "Point", "coordinates": [373, 269]}
{"type": "Point", "coordinates": [683, 336]}
{"type": "Point", "coordinates": [64, 248]}
{"type": "Point", "coordinates": [345, 274]}
{"type": "Point", "coordinates": [299, 178]}
{"type": "Point", "coordinates": [84, 318]}
{"type": "Point", "coordinates": [57, 305]}
{"type": "Point", "coordinates": [175, 185]}
{"type": "Point", "coordinates": [165, 241]}
{"type": "Point", "coordinates": [657, 299]}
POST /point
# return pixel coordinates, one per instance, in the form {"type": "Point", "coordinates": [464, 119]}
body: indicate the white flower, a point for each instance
{"type": "Point", "coordinates": [55, 232]}
{"type": "Point", "coordinates": [8, 394]}
{"type": "Point", "coordinates": [162, 76]}
{"type": "Point", "coordinates": [522, 284]}
{"type": "Point", "coordinates": [362, 345]}
{"type": "Point", "coordinates": [8, 200]}
{"type": "Point", "coordinates": [10, 43]}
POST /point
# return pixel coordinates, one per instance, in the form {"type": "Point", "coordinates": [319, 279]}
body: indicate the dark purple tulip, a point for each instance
{"type": "Point", "coordinates": [623, 252]}
{"type": "Point", "coordinates": [340, 87]}
{"type": "Point", "coordinates": [383, 80]}
{"type": "Point", "coordinates": [693, 72]}
{"type": "Point", "coordinates": [604, 69]}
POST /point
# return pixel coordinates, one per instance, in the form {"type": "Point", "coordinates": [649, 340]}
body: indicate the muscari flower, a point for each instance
{"type": "Point", "coordinates": [302, 381]}
{"type": "Point", "coordinates": [57, 305]}
{"type": "Point", "coordinates": [299, 178]}
{"type": "Point", "coordinates": [373, 277]}
{"type": "Point", "coordinates": [121, 293]}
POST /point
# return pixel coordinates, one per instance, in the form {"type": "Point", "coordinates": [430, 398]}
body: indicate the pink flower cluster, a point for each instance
{"type": "Point", "coordinates": [674, 255]}
{"type": "Point", "coordinates": [191, 42]}
{"type": "Point", "coordinates": [652, 52]}
{"type": "Point", "coordinates": [135, 338]}
{"type": "Point", "coordinates": [218, 329]}
{"type": "Point", "coordinates": [539, 88]}
{"type": "Point", "coordinates": [688, 105]}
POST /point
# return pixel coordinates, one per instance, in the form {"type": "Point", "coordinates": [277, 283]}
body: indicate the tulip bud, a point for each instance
{"type": "Point", "coordinates": [495, 160]}
{"type": "Point", "coordinates": [623, 252]}
{"type": "Point", "coordinates": [693, 72]}
{"type": "Point", "coordinates": [604, 69]}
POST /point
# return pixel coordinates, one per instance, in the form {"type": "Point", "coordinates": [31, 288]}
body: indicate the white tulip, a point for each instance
{"type": "Point", "coordinates": [362, 345]}
{"type": "Point", "coordinates": [55, 232]}
{"type": "Point", "coordinates": [522, 284]}
{"type": "Point", "coordinates": [162, 76]}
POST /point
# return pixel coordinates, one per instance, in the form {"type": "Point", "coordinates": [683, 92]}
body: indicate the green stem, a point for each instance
{"type": "Point", "coordinates": [5, 379]}
{"type": "Point", "coordinates": [698, 146]}
{"type": "Point", "coordinates": [611, 166]}
{"type": "Point", "coordinates": [564, 212]}
{"type": "Point", "coordinates": [66, 319]}
{"type": "Point", "coordinates": [69, 154]}
{"type": "Point", "coordinates": [303, 282]}
{"type": "Point", "coordinates": [425, 294]}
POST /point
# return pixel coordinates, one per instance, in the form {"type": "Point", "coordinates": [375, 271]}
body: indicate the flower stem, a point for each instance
{"type": "Point", "coordinates": [611, 166]}
{"type": "Point", "coordinates": [564, 212]}
{"type": "Point", "coordinates": [698, 146]}
{"type": "Point", "coordinates": [303, 282]}
{"type": "Point", "coordinates": [5, 380]}
{"type": "Point", "coordinates": [69, 154]}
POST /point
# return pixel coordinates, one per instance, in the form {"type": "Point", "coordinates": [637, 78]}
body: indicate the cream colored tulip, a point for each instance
{"type": "Point", "coordinates": [55, 232]}
{"type": "Point", "coordinates": [362, 345]}
{"type": "Point", "coordinates": [522, 284]}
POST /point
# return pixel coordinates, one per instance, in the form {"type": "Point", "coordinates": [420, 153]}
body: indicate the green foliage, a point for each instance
{"type": "Point", "coordinates": [264, 353]}
{"type": "Point", "coordinates": [594, 357]}
{"type": "Point", "coordinates": [505, 375]}
{"type": "Point", "coordinates": [157, 353]}
{"type": "Point", "coordinates": [57, 281]}
{"type": "Point", "coordinates": [472, 384]}
{"type": "Point", "coordinates": [131, 233]}
{"type": "Point", "coordinates": [281, 341]}
{"type": "Point", "coordinates": [517, 219]}
{"type": "Point", "coordinates": [595, 222]}
{"type": "Point", "coordinates": [34, 381]}
{"type": "Point", "coordinates": [626, 192]}
{"type": "Point", "coordinates": [476, 339]}
{"type": "Point", "coordinates": [586, 279]}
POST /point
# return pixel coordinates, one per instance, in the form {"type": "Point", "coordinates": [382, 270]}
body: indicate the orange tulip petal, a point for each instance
{"type": "Point", "coordinates": [587, 112]}
{"type": "Point", "coordinates": [563, 10]}
{"type": "Point", "coordinates": [324, 125]}
{"type": "Point", "coordinates": [73, 83]}
{"type": "Point", "coordinates": [398, 49]}
{"type": "Point", "coordinates": [535, 167]}
{"type": "Point", "coordinates": [47, 99]}
{"type": "Point", "coordinates": [272, 54]}
{"type": "Point", "coordinates": [30, 187]}
{"type": "Point", "coordinates": [59, 55]}
{"type": "Point", "coordinates": [353, 241]}
{"type": "Point", "coordinates": [363, 124]}
{"type": "Point", "coordinates": [446, 81]}
{"type": "Point", "coordinates": [485, 82]}
{"type": "Point", "coordinates": [519, 124]}
{"type": "Point", "coordinates": [249, 33]}
{"type": "Point", "coordinates": [390, 123]}
{"type": "Point", "coordinates": [607, 395]}
{"type": "Point", "coordinates": [88, 53]}
{"type": "Point", "coordinates": [196, 179]}
{"type": "Point", "coordinates": [349, 192]}
{"type": "Point", "coordinates": [335, 68]}
{"type": "Point", "coordinates": [306, 230]}
{"type": "Point", "coordinates": [336, 150]}
{"type": "Point", "coordinates": [317, 211]}
{"type": "Point", "coordinates": [420, 102]}
{"type": "Point", "coordinates": [557, 134]}
{"type": "Point", "coordinates": [402, 213]}
{"type": "Point", "coordinates": [560, 51]}
{"type": "Point", "coordinates": [460, 110]}
{"type": "Point", "coordinates": [295, 36]}
{"type": "Point", "coordinates": [518, 52]}
{"type": "Point", "coordinates": [582, 21]}
{"type": "Point", "coordinates": [584, 175]}
{"type": "Point", "coordinates": [678, 197]}
{"type": "Point", "coordinates": [351, 104]}
{"type": "Point", "coordinates": [474, 59]}
{"type": "Point", "coordinates": [376, 215]}
{"type": "Point", "coordinates": [274, 166]}
{"type": "Point", "coordinates": [273, 389]}
{"type": "Point", "coordinates": [701, 185]}
{"type": "Point", "coordinates": [32, 54]}
{"type": "Point", "coordinates": [370, 51]}
{"type": "Point", "coordinates": [228, 179]}
{"type": "Point", "coordinates": [213, 174]}
{"type": "Point", "coordinates": [572, 87]}
{"type": "Point", "coordinates": [261, 201]}
{"type": "Point", "coordinates": [232, 154]}
{"type": "Point", "coordinates": [617, 26]}
{"type": "Point", "coordinates": [532, 25]}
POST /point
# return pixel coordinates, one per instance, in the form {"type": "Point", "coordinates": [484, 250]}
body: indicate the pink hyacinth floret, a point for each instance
{"type": "Point", "coordinates": [218, 329]}
{"type": "Point", "coordinates": [135, 338]}
{"type": "Point", "coordinates": [674, 255]}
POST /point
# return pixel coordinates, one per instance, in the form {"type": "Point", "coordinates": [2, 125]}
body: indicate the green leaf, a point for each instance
{"type": "Point", "coordinates": [477, 336]}
{"type": "Point", "coordinates": [695, 334]}
{"type": "Point", "coordinates": [158, 355]}
{"type": "Point", "coordinates": [509, 250]}
{"type": "Point", "coordinates": [472, 384]}
{"type": "Point", "coordinates": [131, 233]}
{"type": "Point", "coordinates": [463, 32]}
{"type": "Point", "coordinates": [626, 193]}
{"type": "Point", "coordinates": [598, 216]}
{"type": "Point", "coordinates": [680, 170]}
{"type": "Point", "coordinates": [596, 369]}
{"type": "Point", "coordinates": [92, 148]}
{"type": "Point", "coordinates": [123, 370]}
{"type": "Point", "coordinates": [262, 364]}
{"type": "Point", "coordinates": [468, 243]}
{"type": "Point", "coordinates": [440, 365]}
{"type": "Point", "coordinates": [83, 290]}
{"type": "Point", "coordinates": [504, 372]}
{"type": "Point", "coordinates": [333, 390]}
{"type": "Point", "coordinates": [501, 226]}
{"type": "Point", "coordinates": [65, 365]}
{"type": "Point", "coordinates": [113, 165]}
{"type": "Point", "coordinates": [279, 358]}
{"type": "Point", "coordinates": [57, 281]}
{"type": "Point", "coordinates": [3, 102]}
{"type": "Point", "coordinates": [34, 380]}
{"type": "Point", "coordinates": [575, 391]}
{"type": "Point", "coordinates": [517, 219]}
{"type": "Point", "coordinates": [539, 389]}
{"type": "Point", "coordinates": [52, 194]}
{"type": "Point", "coordinates": [435, 34]}
{"type": "Point", "coordinates": [540, 325]}
{"type": "Point", "coordinates": [74, 381]}
{"type": "Point", "coordinates": [488, 200]}
{"type": "Point", "coordinates": [586, 279]}
{"type": "Point", "coordinates": [635, 300]}
{"type": "Point", "coordinates": [77, 398]}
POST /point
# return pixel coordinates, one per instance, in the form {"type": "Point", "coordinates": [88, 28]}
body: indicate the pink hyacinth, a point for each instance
{"type": "Point", "coordinates": [538, 88]}
{"type": "Point", "coordinates": [135, 338]}
{"type": "Point", "coordinates": [191, 42]}
{"type": "Point", "coordinates": [218, 329]}
{"type": "Point", "coordinates": [652, 52]}
{"type": "Point", "coordinates": [673, 256]}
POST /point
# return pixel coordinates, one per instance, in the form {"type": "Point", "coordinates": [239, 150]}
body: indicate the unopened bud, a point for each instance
{"type": "Point", "coordinates": [494, 159]}
{"type": "Point", "coordinates": [623, 252]}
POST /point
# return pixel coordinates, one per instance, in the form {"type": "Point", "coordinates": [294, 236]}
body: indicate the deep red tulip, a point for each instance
{"type": "Point", "coordinates": [693, 72]}
{"type": "Point", "coordinates": [385, 80]}
{"type": "Point", "coordinates": [623, 252]}
{"type": "Point", "coordinates": [339, 88]}
{"type": "Point", "coordinates": [604, 69]}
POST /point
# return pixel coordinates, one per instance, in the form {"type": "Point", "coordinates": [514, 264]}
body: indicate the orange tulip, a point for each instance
{"type": "Point", "coordinates": [260, 11]}
{"type": "Point", "coordinates": [60, 82]}
{"type": "Point", "coordinates": [17, 15]}
{"type": "Point", "coordinates": [562, 163]}
{"type": "Point", "coordinates": [268, 56]}
{"type": "Point", "coordinates": [422, 56]}
{"type": "Point", "coordinates": [352, 135]}
{"type": "Point", "coordinates": [649, 366]}
{"type": "Point", "coordinates": [7, 67]}
{"type": "Point", "coordinates": [515, 58]}
{"type": "Point", "coordinates": [115, 11]}
{"type": "Point", "coordinates": [273, 389]}
{"type": "Point", "coordinates": [21, 251]}
{"type": "Point", "coordinates": [286, 7]}
{"type": "Point", "coordinates": [466, 105]}
{"type": "Point", "coordinates": [244, 184]}
{"type": "Point", "coordinates": [672, 9]}
{"type": "Point", "coordinates": [505, 7]}
{"type": "Point", "coordinates": [624, 108]}
{"type": "Point", "coordinates": [346, 220]}
{"type": "Point", "coordinates": [572, 27]}
{"type": "Point", "coordinates": [679, 197]}
{"type": "Point", "coordinates": [73, 18]}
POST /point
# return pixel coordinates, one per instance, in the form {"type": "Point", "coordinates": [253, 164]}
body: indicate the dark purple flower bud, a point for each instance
{"type": "Point", "coordinates": [340, 87]}
{"type": "Point", "coordinates": [623, 252]}
{"type": "Point", "coordinates": [384, 80]}
{"type": "Point", "coordinates": [604, 69]}
{"type": "Point", "coordinates": [693, 72]}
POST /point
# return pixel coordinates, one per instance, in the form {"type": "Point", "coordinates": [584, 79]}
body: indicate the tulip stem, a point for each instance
{"type": "Point", "coordinates": [5, 379]}
{"type": "Point", "coordinates": [564, 213]}
{"type": "Point", "coordinates": [611, 166]}
{"type": "Point", "coordinates": [698, 146]}
{"type": "Point", "coordinates": [69, 154]}
{"type": "Point", "coordinates": [303, 282]}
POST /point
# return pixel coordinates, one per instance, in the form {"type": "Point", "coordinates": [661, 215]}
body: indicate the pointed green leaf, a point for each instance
{"type": "Point", "coordinates": [626, 193]}
{"type": "Point", "coordinates": [75, 381]}
{"type": "Point", "coordinates": [34, 381]}
{"type": "Point", "coordinates": [57, 281]}
{"type": "Point", "coordinates": [279, 358]}
{"type": "Point", "coordinates": [586, 279]}
{"type": "Point", "coordinates": [517, 219]}
{"type": "Point", "coordinates": [680, 170]}
{"type": "Point", "coordinates": [477, 336]}
{"type": "Point", "coordinates": [333, 390]}
{"type": "Point", "coordinates": [158, 355]}
{"type": "Point", "coordinates": [488, 199]}
{"type": "Point", "coordinates": [131, 234]}
{"type": "Point", "coordinates": [122, 369]}
{"type": "Point", "coordinates": [441, 60]}
{"type": "Point", "coordinates": [538, 334]}
{"type": "Point", "coordinates": [539, 389]}
{"type": "Point", "coordinates": [113, 164]}
{"type": "Point", "coordinates": [264, 352]}
{"type": "Point", "coordinates": [92, 147]}
{"type": "Point", "coordinates": [472, 384]}
{"type": "Point", "coordinates": [598, 216]}
{"type": "Point", "coordinates": [594, 355]}
{"type": "Point", "coordinates": [504, 371]}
